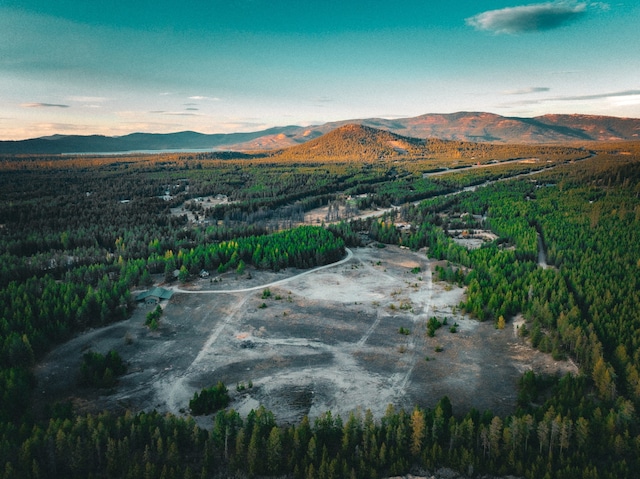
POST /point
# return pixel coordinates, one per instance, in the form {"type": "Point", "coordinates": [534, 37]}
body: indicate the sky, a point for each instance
{"type": "Point", "coordinates": [119, 66]}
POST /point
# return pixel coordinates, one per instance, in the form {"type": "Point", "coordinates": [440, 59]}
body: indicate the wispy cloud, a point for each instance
{"type": "Point", "coordinates": [175, 113]}
{"type": "Point", "coordinates": [200, 97]}
{"type": "Point", "coordinates": [531, 18]}
{"type": "Point", "coordinates": [241, 125]}
{"type": "Point", "coordinates": [598, 96]}
{"type": "Point", "coordinates": [527, 91]}
{"type": "Point", "coordinates": [616, 95]}
{"type": "Point", "coordinates": [43, 105]}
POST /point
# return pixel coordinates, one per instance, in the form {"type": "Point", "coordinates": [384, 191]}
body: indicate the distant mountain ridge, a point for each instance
{"type": "Point", "coordinates": [462, 126]}
{"type": "Point", "coordinates": [58, 144]}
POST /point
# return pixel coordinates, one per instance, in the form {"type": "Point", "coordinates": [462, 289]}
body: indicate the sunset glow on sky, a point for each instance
{"type": "Point", "coordinates": [71, 67]}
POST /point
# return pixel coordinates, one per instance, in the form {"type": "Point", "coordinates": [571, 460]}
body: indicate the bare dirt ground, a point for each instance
{"type": "Point", "coordinates": [318, 215]}
{"type": "Point", "coordinates": [326, 340]}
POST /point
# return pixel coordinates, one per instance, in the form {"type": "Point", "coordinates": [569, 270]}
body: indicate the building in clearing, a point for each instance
{"type": "Point", "coordinates": [154, 295]}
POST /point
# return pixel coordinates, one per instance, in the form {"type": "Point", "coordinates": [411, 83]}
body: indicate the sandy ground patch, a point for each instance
{"type": "Point", "coordinates": [327, 340]}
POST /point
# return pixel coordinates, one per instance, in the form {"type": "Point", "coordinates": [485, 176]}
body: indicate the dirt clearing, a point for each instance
{"type": "Point", "coordinates": [340, 338]}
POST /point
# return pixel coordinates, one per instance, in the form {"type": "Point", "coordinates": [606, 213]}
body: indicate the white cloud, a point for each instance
{"type": "Point", "coordinates": [599, 96]}
{"type": "Point", "coordinates": [623, 97]}
{"type": "Point", "coordinates": [531, 18]}
{"type": "Point", "coordinates": [176, 113]}
{"type": "Point", "coordinates": [526, 91]}
{"type": "Point", "coordinates": [200, 97]}
{"type": "Point", "coordinates": [87, 99]}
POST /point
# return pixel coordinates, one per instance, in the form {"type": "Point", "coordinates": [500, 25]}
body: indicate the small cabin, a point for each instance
{"type": "Point", "coordinates": [154, 295]}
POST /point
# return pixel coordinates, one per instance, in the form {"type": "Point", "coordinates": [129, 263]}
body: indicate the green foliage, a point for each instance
{"type": "Point", "coordinates": [16, 391]}
{"type": "Point", "coordinates": [432, 326]}
{"type": "Point", "coordinates": [241, 386]}
{"type": "Point", "coordinates": [70, 251]}
{"type": "Point", "coordinates": [153, 317]}
{"type": "Point", "coordinates": [183, 275]}
{"type": "Point", "coordinates": [450, 274]}
{"type": "Point", "coordinates": [555, 440]}
{"type": "Point", "coordinates": [241, 268]}
{"type": "Point", "coordinates": [101, 371]}
{"type": "Point", "coordinates": [209, 400]}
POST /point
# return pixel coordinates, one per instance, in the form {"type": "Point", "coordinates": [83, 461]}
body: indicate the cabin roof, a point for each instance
{"type": "Point", "coordinates": [158, 292]}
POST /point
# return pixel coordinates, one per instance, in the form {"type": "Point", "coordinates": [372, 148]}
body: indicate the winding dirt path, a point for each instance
{"type": "Point", "coordinates": [267, 285]}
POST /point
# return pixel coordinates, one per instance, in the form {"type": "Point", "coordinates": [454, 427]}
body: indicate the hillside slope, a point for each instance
{"type": "Point", "coordinates": [461, 126]}
{"type": "Point", "coordinates": [354, 142]}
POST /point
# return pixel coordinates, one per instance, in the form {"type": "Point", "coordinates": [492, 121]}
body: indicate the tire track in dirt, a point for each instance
{"type": "Point", "coordinates": [376, 272]}
{"type": "Point", "coordinates": [379, 313]}
{"type": "Point", "coordinates": [176, 391]}
{"type": "Point", "coordinates": [370, 331]}
{"type": "Point", "coordinates": [401, 381]}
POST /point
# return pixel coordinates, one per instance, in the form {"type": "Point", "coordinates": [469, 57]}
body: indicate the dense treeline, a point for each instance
{"type": "Point", "coordinates": [76, 236]}
{"type": "Point", "coordinates": [302, 247]}
{"type": "Point", "coordinates": [570, 439]}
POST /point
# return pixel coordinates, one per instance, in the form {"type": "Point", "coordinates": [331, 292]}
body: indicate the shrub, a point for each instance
{"type": "Point", "coordinates": [432, 326]}
{"type": "Point", "coordinates": [210, 400]}
{"type": "Point", "coordinates": [153, 317]}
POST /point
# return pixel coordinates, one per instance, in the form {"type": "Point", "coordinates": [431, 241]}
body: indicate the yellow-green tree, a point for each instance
{"type": "Point", "coordinates": [418, 431]}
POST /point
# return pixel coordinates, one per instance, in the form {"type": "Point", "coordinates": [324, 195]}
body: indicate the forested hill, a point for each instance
{"type": "Point", "coordinates": [356, 142]}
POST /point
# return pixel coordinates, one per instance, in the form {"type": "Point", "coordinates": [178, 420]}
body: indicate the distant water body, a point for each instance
{"type": "Point", "coordinates": [142, 152]}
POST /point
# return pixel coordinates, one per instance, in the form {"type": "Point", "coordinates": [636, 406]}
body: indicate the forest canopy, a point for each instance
{"type": "Point", "coordinates": [78, 234]}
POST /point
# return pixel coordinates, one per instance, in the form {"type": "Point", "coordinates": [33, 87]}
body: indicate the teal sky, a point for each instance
{"type": "Point", "coordinates": [116, 67]}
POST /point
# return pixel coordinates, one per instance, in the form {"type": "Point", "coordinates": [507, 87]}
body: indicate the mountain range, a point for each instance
{"type": "Point", "coordinates": [462, 126]}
